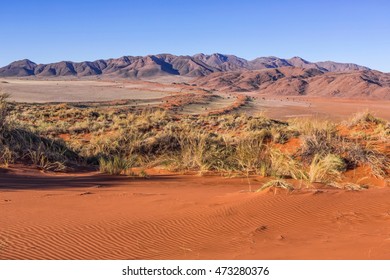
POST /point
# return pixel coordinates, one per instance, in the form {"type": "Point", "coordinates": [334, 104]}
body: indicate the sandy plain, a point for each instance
{"type": "Point", "coordinates": [152, 93]}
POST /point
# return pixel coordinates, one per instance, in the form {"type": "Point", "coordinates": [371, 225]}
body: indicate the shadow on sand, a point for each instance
{"type": "Point", "coordinates": [12, 181]}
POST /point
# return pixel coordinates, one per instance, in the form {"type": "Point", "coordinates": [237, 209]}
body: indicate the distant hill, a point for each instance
{"type": "Point", "coordinates": [145, 67]}
{"type": "Point", "coordinates": [290, 81]}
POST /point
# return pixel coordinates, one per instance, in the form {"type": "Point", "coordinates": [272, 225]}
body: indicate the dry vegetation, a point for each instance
{"type": "Point", "coordinates": [61, 137]}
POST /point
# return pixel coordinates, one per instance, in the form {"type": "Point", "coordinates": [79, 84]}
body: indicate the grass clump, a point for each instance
{"type": "Point", "coordinates": [364, 120]}
{"type": "Point", "coordinates": [348, 186]}
{"type": "Point", "coordinates": [6, 156]}
{"type": "Point", "coordinates": [325, 169]}
{"type": "Point", "coordinates": [379, 162]}
{"type": "Point", "coordinates": [20, 144]}
{"type": "Point", "coordinates": [115, 165]}
{"type": "Point", "coordinates": [318, 142]}
{"type": "Point", "coordinates": [277, 183]}
{"type": "Point", "coordinates": [283, 165]}
{"type": "Point", "coordinates": [250, 154]}
{"type": "Point", "coordinates": [43, 159]}
{"type": "Point", "coordinates": [3, 110]}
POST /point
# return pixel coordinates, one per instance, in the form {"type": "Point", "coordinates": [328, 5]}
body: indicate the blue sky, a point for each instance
{"type": "Point", "coordinates": [51, 31]}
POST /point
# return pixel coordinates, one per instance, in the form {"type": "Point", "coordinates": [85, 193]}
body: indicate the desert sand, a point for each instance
{"type": "Point", "coordinates": [154, 94]}
{"type": "Point", "coordinates": [40, 91]}
{"type": "Point", "coordinates": [92, 216]}
{"type": "Point", "coordinates": [335, 109]}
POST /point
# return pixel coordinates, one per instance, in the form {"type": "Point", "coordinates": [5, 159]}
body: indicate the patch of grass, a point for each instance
{"type": "Point", "coordinates": [307, 127]}
{"type": "Point", "coordinates": [115, 165]}
{"type": "Point", "coordinates": [41, 161]}
{"type": "Point", "coordinates": [357, 154]}
{"type": "Point", "coordinates": [285, 166]}
{"type": "Point", "coordinates": [326, 169]}
{"type": "Point", "coordinates": [365, 119]}
{"type": "Point", "coordinates": [18, 144]}
{"type": "Point", "coordinates": [6, 156]}
{"type": "Point", "coordinates": [143, 174]}
{"type": "Point", "coordinates": [250, 154]}
{"type": "Point", "coordinates": [322, 141]}
{"type": "Point", "coordinates": [348, 186]}
{"type": "Point", "coordinates": [3, 109]}
{"type": "Point", "coordinates": [278, 183]}
{"type": "Point", "coordinates": [233, 144]}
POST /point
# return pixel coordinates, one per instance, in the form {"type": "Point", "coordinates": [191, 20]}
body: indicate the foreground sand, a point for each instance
{"type": "Point", "coordinates": [91, 216]}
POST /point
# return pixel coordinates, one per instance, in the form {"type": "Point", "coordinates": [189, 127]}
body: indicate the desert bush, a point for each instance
{"type": "Point", "coordinates": [325, 169]}
{"type": "Point", "coordinates": [6, 156]}
{"type": "Point", "coordinates": [115, 165]}
{"type": "Point", "coordinates": [258, 122]}
{"type": "Point", "coordinates": [357, 154]}
{"type": "Point", "coordinates": [45, 154]}
{"type": "Point", "coordinates": [41, 158]}
{"type": "Point", "coordinates": [200, 150]}
{"type": "Point", "coordinates": [383, 131]}
{"type": "Point", "coordinates": [279, 135]}
{"type": "Point", "coordinates": [20, 144]}
{"type": "Point", "coordinates": [364, 119]}
{"type": "Point", "coordinates": [319, 141]}
{"type": "Point", "coordinates": [3, 110]}
{"type": "Point", "coordinates": [285, 166]}
{"type": "Point", "coordinates": [251, 154]}
{"type": "Point", "coordinates": [307, 127]}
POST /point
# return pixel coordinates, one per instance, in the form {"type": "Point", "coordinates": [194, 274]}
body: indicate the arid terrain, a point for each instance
{"type": "Point", "coordinates": [194, 157]}
{"type": "Point", "coordinates": [143, 93]}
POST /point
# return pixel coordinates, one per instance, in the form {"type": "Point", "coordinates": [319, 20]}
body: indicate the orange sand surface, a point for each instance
{"type": "Point", "coordinates": [91, 216]}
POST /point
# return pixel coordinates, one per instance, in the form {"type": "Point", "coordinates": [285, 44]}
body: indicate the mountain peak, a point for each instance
{"type": "Point", "coordinates": [298, 58]}
{"type": "Point", "coordinates": [23, 62]}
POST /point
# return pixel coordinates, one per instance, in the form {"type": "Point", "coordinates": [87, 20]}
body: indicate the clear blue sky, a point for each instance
{"type": "Point", "coordinates": [51, 31]}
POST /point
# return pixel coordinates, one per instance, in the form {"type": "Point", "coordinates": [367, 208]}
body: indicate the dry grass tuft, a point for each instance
{"type": "Point", "coordinates": [326, 169]}
{"type": "Point", "coordinates": [278, 183]}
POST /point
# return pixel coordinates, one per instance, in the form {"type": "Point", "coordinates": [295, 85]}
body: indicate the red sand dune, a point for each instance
{"type": "Point", "coordinates": [91, 216]}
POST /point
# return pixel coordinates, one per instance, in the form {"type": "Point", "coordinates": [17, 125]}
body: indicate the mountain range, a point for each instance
{"type": "Point", "coordinates": [138, 67]}
{"type": "Point", "coordinates": [266, 75]}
